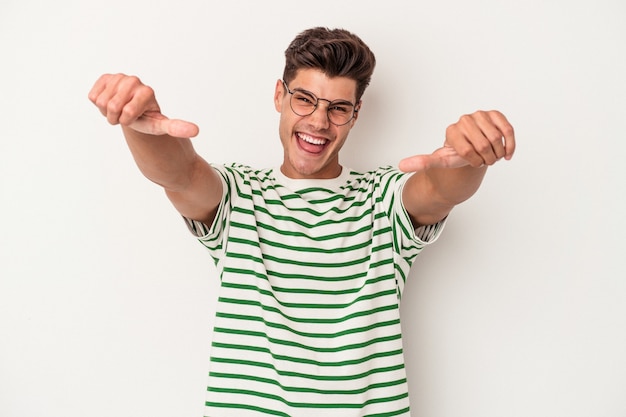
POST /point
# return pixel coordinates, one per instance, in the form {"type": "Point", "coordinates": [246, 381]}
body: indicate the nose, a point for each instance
{"type": "Point", "coordinates": [319, 117]}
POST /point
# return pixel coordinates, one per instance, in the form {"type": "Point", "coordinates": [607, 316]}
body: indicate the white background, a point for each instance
{"type": "Point", "coordinates": [106, 301]}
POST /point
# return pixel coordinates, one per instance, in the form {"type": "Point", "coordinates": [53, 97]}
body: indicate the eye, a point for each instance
{"type": "Point", "coordinates": [342, 108]}
{"type": "Point", "coordinates": [303, 98]}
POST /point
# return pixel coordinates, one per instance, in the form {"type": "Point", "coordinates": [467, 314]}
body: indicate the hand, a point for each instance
{"type": "Point", "coordinates": [126, 101]}
{"type": "Point", "coordinates": [478, 139]}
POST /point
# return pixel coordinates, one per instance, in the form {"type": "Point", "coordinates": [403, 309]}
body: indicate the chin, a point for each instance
{"type": "Point", "coordinates": [301, 170]}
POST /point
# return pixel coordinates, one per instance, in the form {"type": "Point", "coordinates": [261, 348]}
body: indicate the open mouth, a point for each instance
{"type": "Point", "coordinates": [311, 144]}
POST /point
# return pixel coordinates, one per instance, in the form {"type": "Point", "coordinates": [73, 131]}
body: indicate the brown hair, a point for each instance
{"type": "Point", "coordinates": [335, 52]}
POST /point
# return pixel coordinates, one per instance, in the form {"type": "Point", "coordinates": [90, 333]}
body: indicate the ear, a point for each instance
{"type": "Point", "coordinates": [279, 95]}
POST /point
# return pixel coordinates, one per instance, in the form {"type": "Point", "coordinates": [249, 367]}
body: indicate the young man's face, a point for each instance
{"type": "Point", "coordinates": [311, 143]}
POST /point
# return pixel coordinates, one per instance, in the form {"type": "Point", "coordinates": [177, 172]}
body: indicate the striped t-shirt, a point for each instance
{"type": "Point", "coordinates": [307, 320]}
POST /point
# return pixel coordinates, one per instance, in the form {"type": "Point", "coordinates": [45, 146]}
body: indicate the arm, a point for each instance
{"type": "Point", "coordinates": [160, 146]}
{"type": "Point", "coordinates": [453, 173]}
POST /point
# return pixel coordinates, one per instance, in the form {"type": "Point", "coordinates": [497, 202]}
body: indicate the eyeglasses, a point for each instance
{"type": "Point", "coordinates": [304, 103]}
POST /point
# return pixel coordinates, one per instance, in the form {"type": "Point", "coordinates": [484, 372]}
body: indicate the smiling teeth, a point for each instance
{"type": "Point", "coordinates": [312, 140]}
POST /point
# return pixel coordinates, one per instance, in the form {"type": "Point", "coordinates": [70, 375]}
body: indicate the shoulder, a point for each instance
{"type": "Point", "coordinates": [237, 171]}
{"type": "Point", "coordinates": [382, 176]}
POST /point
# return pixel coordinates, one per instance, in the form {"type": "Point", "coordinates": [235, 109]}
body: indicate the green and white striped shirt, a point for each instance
{"type": "Point", "coordinates": [308, 320]}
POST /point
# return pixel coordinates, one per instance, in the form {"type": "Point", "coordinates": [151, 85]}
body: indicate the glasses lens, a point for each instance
{"type": "Point", "coordinates": [302, 103]}
{"type": "Point", "coordinates": [340, 113]}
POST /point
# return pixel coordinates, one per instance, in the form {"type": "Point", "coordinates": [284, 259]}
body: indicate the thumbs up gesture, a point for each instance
{"type": "Point", "coordinates": [478, 139]}
{"type": "Point", "coordinates": [126, 101]}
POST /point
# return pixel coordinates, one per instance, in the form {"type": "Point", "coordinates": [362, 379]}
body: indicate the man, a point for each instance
{"type": "Point", "coordinates": [312, 256]}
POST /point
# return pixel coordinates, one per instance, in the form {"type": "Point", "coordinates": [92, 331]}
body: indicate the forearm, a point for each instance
{"type": "Point", "coordinates": [163, 159]}
{"type": "Point", "coordinates": [455, 185]}
{"type": "Point", "coordinates": [431, 194]}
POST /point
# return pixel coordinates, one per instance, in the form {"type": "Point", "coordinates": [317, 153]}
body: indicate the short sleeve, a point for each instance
{"type": "Point", "coordinates": [211, 236]}
{"type": "Point", "coordinates": [423, 235]}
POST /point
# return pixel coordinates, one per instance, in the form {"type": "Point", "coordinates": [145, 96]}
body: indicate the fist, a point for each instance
{"type": "Point", "coordinates": [125, 100]}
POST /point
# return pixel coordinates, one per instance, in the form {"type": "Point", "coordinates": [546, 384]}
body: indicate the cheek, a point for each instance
{"type": "Point", "coordinates": [284, 128]}
{"type": "Point", "coordinates": [343, 136]}
{"type": "Point", "coordinates": [288, 120]}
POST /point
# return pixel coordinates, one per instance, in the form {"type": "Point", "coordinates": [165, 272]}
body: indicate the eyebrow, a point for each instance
{"type": "Point", "coordinates": [339, 100]}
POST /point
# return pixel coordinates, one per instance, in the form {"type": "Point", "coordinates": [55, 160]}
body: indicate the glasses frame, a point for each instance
{"type": "Point", "coordinates": [355, 109]}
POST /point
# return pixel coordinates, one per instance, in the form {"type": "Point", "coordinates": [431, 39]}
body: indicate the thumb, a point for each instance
{"type": "Point", "coordinates": [154, 123]}
{"type": "Point", "coordinates": [445, 157]}
{"type": "Point", "coordinates": [180, 128]}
